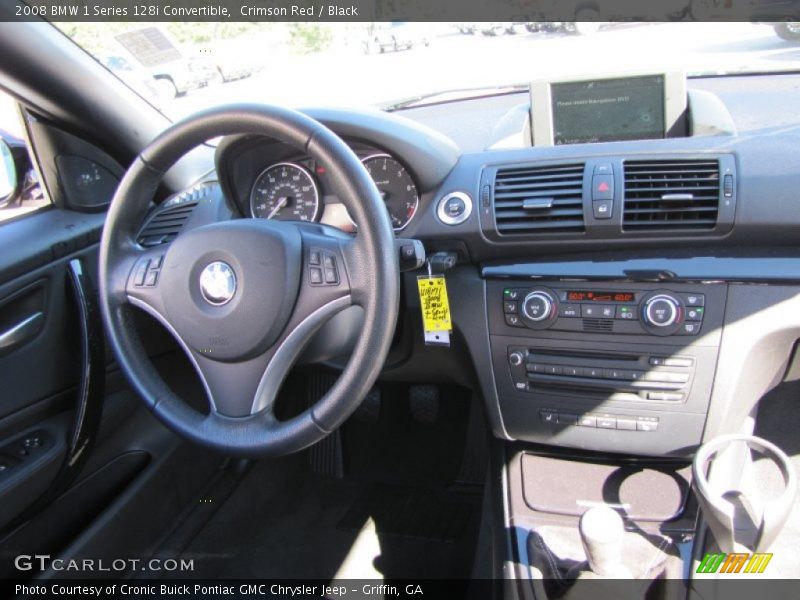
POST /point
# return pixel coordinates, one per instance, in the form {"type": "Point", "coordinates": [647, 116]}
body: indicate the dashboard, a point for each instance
{"type": "Point", "coordinates": [634, 296]}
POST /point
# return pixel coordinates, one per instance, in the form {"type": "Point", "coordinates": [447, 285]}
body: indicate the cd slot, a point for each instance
{"type": "Point", "coordinates": [581, 356]}
{"type": "Point", "coordinates": [605, 384]}
{"type": "Point", "coordinates": [628, 376]}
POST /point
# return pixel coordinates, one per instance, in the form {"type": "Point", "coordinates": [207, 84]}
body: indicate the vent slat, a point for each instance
{"type": "Point", "coordinates": [661, 178]}
{"type": "Point", "coordinates": [172, 221]}
{"type": "Point", "coordinates": [669, 189]}
{"type": "Point", "coordinates": [563, 184]}
{"type": "Point", "coordinates": [557, 226]}
{"type": "Point", "coordinates": [165, 226]}
{"type": "Point", "coordinates": [172, 215]}
{"type": "Point", "coordinates": [514, 204]}
{"type": "Point", "coordinates": [676, 224]}
{"type": "Point", "coordinates": [691, 187]}
{"type": "Point", "coordinates": [669, 211]}
{"type": "Point", "coordinates": [540, 194]}
{"type": "Point", "coordinates": [533, 215]}
{"type": "Point", "coordinates": [532, 185]}
{"type": "Point", "coordinates": [550, 171]}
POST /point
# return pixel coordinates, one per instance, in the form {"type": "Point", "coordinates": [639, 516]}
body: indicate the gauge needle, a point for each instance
{"type": "Point", "coordinates": [281, 203]}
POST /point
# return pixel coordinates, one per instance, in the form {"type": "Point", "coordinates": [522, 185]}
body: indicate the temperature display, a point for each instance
{"type": "Point", "coordinates": [595, 296]}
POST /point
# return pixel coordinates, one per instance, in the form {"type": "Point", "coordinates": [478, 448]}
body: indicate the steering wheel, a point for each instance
{"type": "Point", "coordinates": [244, 296]}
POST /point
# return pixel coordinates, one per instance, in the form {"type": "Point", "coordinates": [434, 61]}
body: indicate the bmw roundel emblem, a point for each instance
{"type": "Point", "coordinates": [217, 283]}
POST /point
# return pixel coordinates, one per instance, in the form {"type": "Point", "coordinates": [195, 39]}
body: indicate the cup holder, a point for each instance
{"type": "Point", "coordinates": [729, 497]}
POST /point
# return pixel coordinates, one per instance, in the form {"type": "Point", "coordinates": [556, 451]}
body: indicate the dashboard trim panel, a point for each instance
{"type": "Point", "coordinates": [775, 269]}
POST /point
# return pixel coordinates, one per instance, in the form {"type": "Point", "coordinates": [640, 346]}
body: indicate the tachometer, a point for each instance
{"type": "Point", "coordinates": [285, 191]}
{"type": "Point", "coordinates": [396, 186]}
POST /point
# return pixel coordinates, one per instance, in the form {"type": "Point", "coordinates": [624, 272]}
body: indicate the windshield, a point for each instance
{"type": "Point", "coordinates": [184, 67]}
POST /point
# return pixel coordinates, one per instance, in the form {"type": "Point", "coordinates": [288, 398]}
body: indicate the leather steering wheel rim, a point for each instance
{"type": "Point", "coordinates": [367, 263]}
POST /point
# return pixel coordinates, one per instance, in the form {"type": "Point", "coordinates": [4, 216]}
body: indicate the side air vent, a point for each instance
{"type": "Point", "coordinates": [667, 194]}
{"type": "Point", "coordinates": [169, 218]}
{"type": "Point", "coordinates": [546, 199]}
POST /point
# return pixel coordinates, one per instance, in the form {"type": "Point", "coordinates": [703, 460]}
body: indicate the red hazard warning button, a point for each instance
{"type": "Point", "coordinates": [603, 187]}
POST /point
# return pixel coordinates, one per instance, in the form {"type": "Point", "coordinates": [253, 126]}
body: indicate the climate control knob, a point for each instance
{"type": "Point", "coordinates": [662, 311]}
{"type": "Point", "coordinates": [537, 306]}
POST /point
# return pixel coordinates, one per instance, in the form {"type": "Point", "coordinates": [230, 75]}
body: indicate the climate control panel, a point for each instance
{"type": "Point", "coordinates": [660, 312]}
{"type": "Point", "coordinates": [610, 365]}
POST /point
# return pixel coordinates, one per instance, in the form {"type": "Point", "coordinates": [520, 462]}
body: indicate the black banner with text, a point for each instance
{"type": "Point", "coordinates": [398, 10]}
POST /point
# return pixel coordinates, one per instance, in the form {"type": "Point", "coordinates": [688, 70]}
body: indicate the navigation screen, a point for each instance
{"type": "Point", "coordinates": [608, 110]}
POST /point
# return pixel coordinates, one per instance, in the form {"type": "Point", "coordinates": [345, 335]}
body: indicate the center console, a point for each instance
{"type": "Point", "coordinates": [609, 366]}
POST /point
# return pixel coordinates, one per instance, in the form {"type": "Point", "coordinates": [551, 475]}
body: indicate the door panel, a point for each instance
{"type": "Point", "coordinates": [43, 360]}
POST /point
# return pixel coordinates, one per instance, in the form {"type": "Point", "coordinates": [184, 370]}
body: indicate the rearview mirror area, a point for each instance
{"type": "Point", "coordinates": [9, 180]}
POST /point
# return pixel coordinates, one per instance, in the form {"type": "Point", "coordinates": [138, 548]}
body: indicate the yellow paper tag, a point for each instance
{"type": "Point", "coordinates": [434, 303]}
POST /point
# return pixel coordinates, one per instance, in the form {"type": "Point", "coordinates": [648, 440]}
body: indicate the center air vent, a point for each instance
{"type": "Point", "coordinates": [546, 199]}
{"type": "Point", "coordinates": [671, 194]}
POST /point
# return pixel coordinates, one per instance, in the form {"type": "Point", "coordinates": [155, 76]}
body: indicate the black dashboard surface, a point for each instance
{"type": "Point", "coordinates": [755, 102]}
{"type": "Point", "coordinates": [761, 157]}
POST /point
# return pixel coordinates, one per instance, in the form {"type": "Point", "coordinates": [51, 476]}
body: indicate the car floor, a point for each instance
{"type": "Point", "coordinates": [284, 522]}
{"type": "Point", "coordinates": [398, 512]}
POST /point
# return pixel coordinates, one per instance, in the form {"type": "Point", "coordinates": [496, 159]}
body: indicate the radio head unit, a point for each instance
{"type": "Point", "coordinates": [607, 109]}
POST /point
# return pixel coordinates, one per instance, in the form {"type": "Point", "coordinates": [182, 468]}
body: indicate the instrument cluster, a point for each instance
{"type": "Point", "coordinates": [298, 190]}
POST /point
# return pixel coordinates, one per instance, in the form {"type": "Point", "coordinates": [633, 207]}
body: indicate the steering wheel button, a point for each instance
{"type": "Point", "coordinates": [331, 276]}
{"type": "Point", "coordinates": [141, 273]}
{"type": "Point", "coordinates": [151, 279]}
{"type": "Point", "coordinates": [314, 257]}
{"type": "Point", "coordinates": [328, 261]}
{"type": "Point", "coordinates": [315, 275]}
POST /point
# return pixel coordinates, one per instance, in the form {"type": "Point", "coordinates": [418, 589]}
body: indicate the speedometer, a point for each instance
{"type": "Point", "coordinates": [396, 186]}
{"type": "Point", "coordinates": [285, 191]}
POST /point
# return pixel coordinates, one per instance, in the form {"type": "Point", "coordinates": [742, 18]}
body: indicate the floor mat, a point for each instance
{"type": "Point", "coordinates": [283, 522]}
{"type": "Point", "coordinates": [413, 513]}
